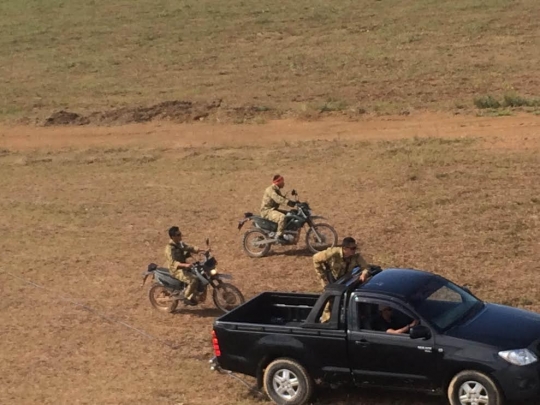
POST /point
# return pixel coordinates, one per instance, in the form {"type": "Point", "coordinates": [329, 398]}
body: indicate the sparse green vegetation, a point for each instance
{"type": "Point", "coordinates": [508, 101]}
{"type": "Point", "coordinates": [486, 102]}
{"type": "Point", "coordinates": [385, 57]}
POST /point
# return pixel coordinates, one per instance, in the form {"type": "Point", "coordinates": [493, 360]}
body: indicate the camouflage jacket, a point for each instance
{"type": "Point", "coordinates": [272, 199]}
{"type": "Point", "coordinates": [176, 253]}
{"type": "Point", "coordinates": [332, 260]}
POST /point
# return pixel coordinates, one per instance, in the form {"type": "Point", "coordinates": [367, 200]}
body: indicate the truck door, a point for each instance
{"type": "Point", "coordinates": [381, 358]}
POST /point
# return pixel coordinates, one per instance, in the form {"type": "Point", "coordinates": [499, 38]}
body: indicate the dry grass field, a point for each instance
{"type": "Point", "coordinates": [267, 59]}
{"type": "Point", "coordinates": [411, 124]}
{"type": "Point", "coordinates": [83, 210]}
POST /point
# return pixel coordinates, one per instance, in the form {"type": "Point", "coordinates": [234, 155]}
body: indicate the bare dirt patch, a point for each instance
{"type": "Point", "coordinates": [177, 111]}
{"type": "Point", "coordinates": [517, 132]}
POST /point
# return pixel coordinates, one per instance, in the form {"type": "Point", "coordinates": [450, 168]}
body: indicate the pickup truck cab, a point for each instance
{"type": "Point", "coordinates": [475, 352]}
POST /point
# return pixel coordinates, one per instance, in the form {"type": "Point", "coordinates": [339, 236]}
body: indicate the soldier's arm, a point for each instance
{"type": "Point", "coordinates": [278, 198]}
{"type": "Point", "coordinates": [362, 262]}
{"type": "Point", "coordinates": [171, 263]}
{"type": "Point", "coordinates": [319, 261]}
{"type": "Point", "coordinates": [364, 266]}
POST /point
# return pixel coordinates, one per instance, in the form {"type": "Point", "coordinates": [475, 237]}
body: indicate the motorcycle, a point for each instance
{"type": "Point", "coordinates": [258, 241]}
{"type": "Point", "coordinates": [167, 291]}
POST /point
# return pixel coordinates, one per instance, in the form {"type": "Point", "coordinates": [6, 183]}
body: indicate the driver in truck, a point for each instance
{"type": "Point", "coordinates": [386, 322]}
{"type": "Point", "coordinates": [271, 201]}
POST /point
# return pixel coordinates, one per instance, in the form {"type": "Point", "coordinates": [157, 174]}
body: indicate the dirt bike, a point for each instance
{"type": "Point", "coordinates": [167, 291]}
{"type": "Point", "coordinates": [258, 241]}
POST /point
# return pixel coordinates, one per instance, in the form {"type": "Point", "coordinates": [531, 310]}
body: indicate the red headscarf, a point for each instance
{"type": "Point", "coordinates": [278, 180]}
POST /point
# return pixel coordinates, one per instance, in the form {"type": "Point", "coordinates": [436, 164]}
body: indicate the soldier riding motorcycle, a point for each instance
{"type": "Point", "coordinates": [258, 241]}
{"type": "Point", "coordinates": [167, 290]}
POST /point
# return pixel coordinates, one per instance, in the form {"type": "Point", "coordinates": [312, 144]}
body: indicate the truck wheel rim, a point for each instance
{"type": "Point", "coordinates": [285, 384]}
{"type": "Point", "coordinates": [473, 393]}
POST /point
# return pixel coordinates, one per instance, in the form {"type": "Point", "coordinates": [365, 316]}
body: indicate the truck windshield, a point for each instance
{"type": "Point", "coordinates": [442, 303]}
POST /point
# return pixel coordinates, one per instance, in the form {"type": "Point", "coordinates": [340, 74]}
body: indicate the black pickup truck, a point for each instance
{"type": "Point", "coordinates": [402, 328]}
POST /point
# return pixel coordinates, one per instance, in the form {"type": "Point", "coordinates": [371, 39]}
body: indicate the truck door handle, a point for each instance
{"type": "Point", "coordinates": [361, 342]}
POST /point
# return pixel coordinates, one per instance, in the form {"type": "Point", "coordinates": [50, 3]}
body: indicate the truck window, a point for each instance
{"type": "Point", "coordinates": [326, 312]}
{"type": "Point", "coordinates": [379, 317]}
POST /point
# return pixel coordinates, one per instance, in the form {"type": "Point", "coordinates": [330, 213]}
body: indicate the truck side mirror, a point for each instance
{"type": "Point", "coordinates": [419, 332]}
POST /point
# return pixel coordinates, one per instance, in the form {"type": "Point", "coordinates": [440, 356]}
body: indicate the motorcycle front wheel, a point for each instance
{"type": "Point", "coordinates": [251, 241]}
{"type": "Point", "coordinates": [227, 297]}
{"type": "Point", "coordinates": [320, 237]}
{"type": "Point", "coordinates": [161, 299]}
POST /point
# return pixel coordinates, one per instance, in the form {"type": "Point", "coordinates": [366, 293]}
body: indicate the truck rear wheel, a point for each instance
{"type": "Point", "coordinates": [287, 383]}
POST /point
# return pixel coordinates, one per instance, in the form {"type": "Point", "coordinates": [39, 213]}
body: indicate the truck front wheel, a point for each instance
{"type": "Point", "coordinates": [473, 387]}
{"type": "Point", "coordinates": [287, 383]}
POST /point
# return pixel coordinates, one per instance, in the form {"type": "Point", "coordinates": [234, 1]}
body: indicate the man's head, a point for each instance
{"type": "Point", "coordinates": [349, 246]}
{"type": "Point", "coordinates": [279, 181]}
{"type": "Point", "coordinates": [175, 234]}
{"type": "Point", "coordinates": [386, 312]}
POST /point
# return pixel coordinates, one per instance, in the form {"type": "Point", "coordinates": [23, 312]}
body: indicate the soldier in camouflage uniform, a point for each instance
{"type": "Point", "coordinates": [271, 201]}
{"type": "Point", "coordinates": [333, 263]}
{"type": "Point", "coordinates": [338, 261]}
{"type": "Point", "coordinates": [176, 255]}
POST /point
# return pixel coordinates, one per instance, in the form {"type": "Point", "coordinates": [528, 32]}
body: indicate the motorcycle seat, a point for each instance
{"type": "Point", "coordinates": [265, 224]}
{"type": "Point", "coordinates": [163, 275]}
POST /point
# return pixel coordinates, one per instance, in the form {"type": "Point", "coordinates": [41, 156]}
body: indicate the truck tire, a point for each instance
{"type": "Point", "coordinates": [286, 382]}
{"type": "Point", "coordinates": [473, 387]}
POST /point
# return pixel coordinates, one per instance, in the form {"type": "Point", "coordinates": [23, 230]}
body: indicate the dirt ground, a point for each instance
{"type": "Point", "coordinates": [84, 209]}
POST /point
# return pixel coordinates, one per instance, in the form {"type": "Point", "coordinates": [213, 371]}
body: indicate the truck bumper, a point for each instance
{"type": "Point", "coordinates": [214, 366]}
{"type": "Point", "coordinates": [520, 383]}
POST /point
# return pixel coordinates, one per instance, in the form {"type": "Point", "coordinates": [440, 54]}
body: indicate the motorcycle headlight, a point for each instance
{"type": "Point", "coordinates": [213, 272]}
{"type": "Point", "coordinates": [519, 357]}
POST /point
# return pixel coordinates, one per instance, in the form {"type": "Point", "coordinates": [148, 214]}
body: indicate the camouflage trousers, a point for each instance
{"type": "Point", "coordinates": [327, 313]}
{"type": "Point", "coordinates": [277, 217]}
{"type": "Point", "coordinates": [191, 281]}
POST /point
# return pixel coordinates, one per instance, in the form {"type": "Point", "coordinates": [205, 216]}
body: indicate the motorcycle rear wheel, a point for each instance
{"type": "Point", "coordinates": [328, 237]}
{"type": "Point", "coordinates": [251, 237]}
{"type": "Point", "coordinates": [161, 299]}
{"type": "Point", "coordinates": [227, 297]}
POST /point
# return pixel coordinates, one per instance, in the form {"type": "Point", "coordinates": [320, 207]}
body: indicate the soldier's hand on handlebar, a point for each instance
{"type": "Point", "coordinates": [291, 203]}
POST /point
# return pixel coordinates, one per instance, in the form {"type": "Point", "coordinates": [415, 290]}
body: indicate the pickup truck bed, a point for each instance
{"type": "Point", "coordinates": [270, 308]}
{"type": "Point", "coordinates": [276, 324]}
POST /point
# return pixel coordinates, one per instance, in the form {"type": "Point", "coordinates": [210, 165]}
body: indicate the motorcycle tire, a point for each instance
{"type": "Point", "coordinates": [329, 237]}
{"type": "Point", "coordinates": [227, 297]}
{"type": "Point", "coordinates": [160, 298]}
{"type": "Point", "coordinates": [255, 236]}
